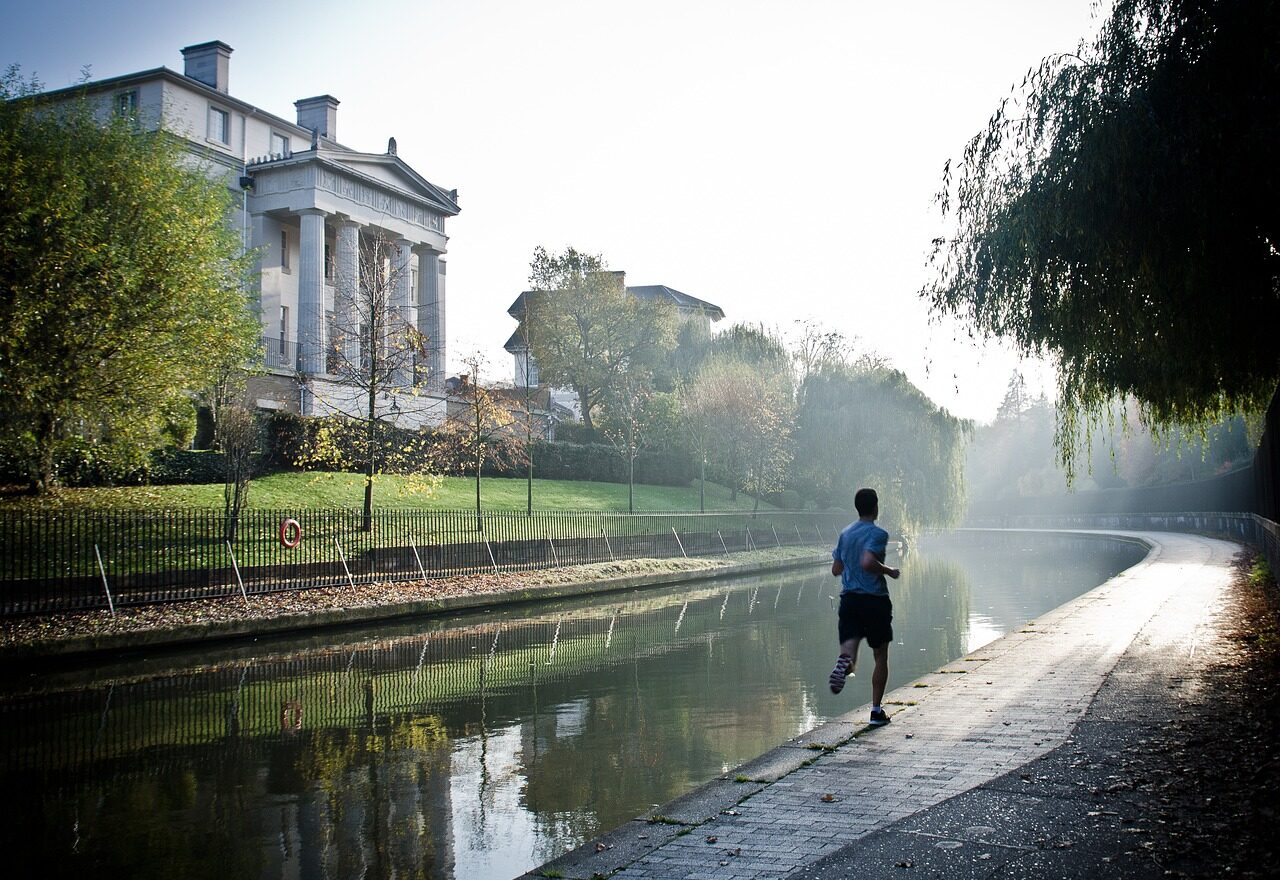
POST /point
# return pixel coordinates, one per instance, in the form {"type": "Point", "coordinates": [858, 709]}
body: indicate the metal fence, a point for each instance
{"type": "Point", "coordinates": [1247, 528]}
{"type": "Point", "coordinates": [69, 560]}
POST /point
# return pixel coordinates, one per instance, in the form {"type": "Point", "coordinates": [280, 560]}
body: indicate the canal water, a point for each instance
{"type": "Point", "coordinates": [474, 747]}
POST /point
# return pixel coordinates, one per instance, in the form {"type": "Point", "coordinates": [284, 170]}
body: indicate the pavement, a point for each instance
{"type": "Point", "coordinates": [1011, 762]}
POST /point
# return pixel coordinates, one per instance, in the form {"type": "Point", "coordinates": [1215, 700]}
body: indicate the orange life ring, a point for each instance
{"type": "Point", "coordinates": [290, 533]}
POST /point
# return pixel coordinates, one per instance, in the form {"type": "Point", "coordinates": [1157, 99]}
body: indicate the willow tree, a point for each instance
{"type": "Point", "coordinates": [872, 427]}
{"type": "Point", "coordinates": [1118, 215]}
{"type": "Point", "coordinates": [122, 284]}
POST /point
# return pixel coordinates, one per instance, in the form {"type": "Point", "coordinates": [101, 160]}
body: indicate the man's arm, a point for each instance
{"type": "Point", "coordinates": [837, 568]}
{"type": "Point", "coordinates": [870, 564]}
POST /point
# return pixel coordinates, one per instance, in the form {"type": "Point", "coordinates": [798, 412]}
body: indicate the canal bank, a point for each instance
{"type": "Point", "coordinates": [1009, 761]}
{"type": "Point", "coordinates": [35, 640]}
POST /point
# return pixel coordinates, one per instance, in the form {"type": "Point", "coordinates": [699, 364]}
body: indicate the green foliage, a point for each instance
{"type": "Point", "coordinates": [738, 414]}
{"type": "Point", "coordinates": [1121, 217]}
{"type": "Point", "coordinates": [874, 428]}
{"type": "Point", "coordinates": [1013, 457]}
{"type": "Point", "coordinates": [586, 332]}
{"type": "Point", "coordinates": [121, 285]}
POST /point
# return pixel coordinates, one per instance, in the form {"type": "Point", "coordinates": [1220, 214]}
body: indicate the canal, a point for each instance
{"type": "Point", "coordinates": [477, 746]}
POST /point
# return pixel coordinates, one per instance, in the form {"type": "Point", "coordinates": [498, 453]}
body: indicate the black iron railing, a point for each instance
{"type": "Point", "coordinates": [65, 560]}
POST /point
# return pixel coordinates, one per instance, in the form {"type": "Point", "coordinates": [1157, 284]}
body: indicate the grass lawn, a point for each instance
{"type": "Point", "coordinates": [334, 490]}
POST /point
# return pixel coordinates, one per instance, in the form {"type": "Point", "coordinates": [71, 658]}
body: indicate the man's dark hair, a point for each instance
{"type": "Point", "coordinates": [866, 501]}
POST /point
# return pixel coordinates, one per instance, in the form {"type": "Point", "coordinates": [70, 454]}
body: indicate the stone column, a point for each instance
{"type": "Point", "coordinates": [403, 310]}
{"type": "Point", "coordinates": [431, 314]}
{"type": "Point", "coordinates": [311, 326]}
{"type": "Point", "coordinates": [347, 287]}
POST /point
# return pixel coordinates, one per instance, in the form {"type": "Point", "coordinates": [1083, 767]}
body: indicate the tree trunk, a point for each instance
{"type": "Point", "coordinates": [583, 398]}
{"type": "Point", "coordinates": [702, 486]}
{"type": "Point", "coordinates": [479, 461]}
{"type": "Point", "coordinates": [631, 484]}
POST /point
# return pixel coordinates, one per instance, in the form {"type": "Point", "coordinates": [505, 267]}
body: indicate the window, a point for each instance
{"type": "Point", "coordinates": [414, 293]}
{"type": "Point", "coordinates": [127, 103]}
{"type": "Point", "coordinates": [279, 145]}
{"type": "Point", "coordinates": [284, 249]}
{"type": "Point", "coordinates": [219, 126]}
{"type": "Point", "coordinates": [284, 328]}
{"type": "Point", "coordinates": [328, 261]}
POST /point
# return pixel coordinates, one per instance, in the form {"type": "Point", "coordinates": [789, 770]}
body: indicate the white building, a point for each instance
{"type": "Point", "coordinates": [306, 203]}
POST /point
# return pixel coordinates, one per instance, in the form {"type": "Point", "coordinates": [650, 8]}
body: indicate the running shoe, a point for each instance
{"type": "Point", "coordinates": [879, 717]}
{"type": "Point", "coordinates": [844, 668]}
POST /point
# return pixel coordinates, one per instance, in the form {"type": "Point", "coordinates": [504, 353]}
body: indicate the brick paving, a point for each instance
{"type": "Point", "coordinates": [973, 721]}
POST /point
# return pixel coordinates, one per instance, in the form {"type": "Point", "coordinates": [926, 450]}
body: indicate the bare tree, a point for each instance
{"type": "Point", "coordinates": [238, 435]}
{"type": "Point", "coordinates": [379, 354]}
{"type": "Point", "coordinates": [625, 425]}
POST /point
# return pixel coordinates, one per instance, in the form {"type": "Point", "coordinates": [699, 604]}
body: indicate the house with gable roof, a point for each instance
{"type": "Point", "coordinates": [696, 317]}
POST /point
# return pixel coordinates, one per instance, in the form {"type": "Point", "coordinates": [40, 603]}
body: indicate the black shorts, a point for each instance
{"type": "Point", "coordinates": [864, 616]}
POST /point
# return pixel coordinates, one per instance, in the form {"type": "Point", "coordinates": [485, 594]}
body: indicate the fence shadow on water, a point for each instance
{"type": "Point", "coordinates": [71, 560]}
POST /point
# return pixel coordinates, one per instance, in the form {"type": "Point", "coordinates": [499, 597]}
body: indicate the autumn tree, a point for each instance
{"type": "Point", "coordinates": [124, 286]}
{"type": "Point", "coordinates": [738, 415]}
{"type": "Point", "coordinates": [481, 424]}
{"type": "Point", "coordinates": [588, 331]}
{"type": "Point", "coordinates": [1118, 215]}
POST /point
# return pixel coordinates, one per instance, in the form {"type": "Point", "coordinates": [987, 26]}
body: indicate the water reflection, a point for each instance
{"type": "Point", "coordinates": [475, 747]}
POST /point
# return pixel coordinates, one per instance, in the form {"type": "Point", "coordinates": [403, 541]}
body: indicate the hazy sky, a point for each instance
{"type": "Point", "coordinates": [776, 158]}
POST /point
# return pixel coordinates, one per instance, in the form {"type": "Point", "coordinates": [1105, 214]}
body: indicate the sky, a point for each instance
{"type": "Point", "coordinates": [775, 157]}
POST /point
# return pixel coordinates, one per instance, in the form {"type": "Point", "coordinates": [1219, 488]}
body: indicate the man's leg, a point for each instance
{"type": "Point", "coordinates": [880, 675]}
{"type": "Point", "coordinates": [849, 648]}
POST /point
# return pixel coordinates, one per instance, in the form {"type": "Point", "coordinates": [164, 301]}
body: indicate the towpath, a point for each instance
{"type": "Point", "coordinates": [1013, 761]}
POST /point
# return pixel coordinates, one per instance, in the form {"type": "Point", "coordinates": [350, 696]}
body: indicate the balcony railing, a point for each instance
{"type": "Point", "coordinates": [279, 353]}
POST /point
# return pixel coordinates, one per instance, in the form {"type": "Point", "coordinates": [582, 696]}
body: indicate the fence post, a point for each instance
{"type": "Point", "coordinates": [491, 559]}
{"type": "Point", "coordinates": [799, 540]}
{"type": "Point", "coordinates": [722, 543]}
{"type": "Point", "coordinates": [345, 567]}
{"type": "Point", "coordinates": [607, 544]}
{"type": "Point", "coordinates": [554, 556]}
{"type": "Point", "coordinates": [236, 568]}
{"type": "Point", "coordinates": [775, 535]}
{"type": "Point", "coordinates": [101, 570]}
{"type": "Point", "coordinates": [679, 543]}
{"type": "Point", "coordinates": [421, 570]}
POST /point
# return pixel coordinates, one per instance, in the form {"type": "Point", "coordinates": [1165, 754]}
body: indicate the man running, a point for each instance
{"type": "Point", "coordinates": [865, 609]}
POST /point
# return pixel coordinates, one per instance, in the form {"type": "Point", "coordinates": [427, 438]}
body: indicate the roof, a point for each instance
{"type": "Point", "coordinates": [447, 199]}
{"type": "Point", "coordinates": [682, 301]}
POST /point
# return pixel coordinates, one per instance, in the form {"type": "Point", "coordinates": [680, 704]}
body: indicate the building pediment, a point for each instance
{"type": "Point", "coordinates": [395, 173]}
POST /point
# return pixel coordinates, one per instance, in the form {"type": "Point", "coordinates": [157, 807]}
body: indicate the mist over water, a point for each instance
{"type": "Point", "coordinates": [479, 746]}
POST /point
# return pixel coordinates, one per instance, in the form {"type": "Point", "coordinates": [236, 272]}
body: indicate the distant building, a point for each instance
{"type": "Point", "coordinates": [305, 202]}
{"type": "Point", "coordinates": [696, 316]}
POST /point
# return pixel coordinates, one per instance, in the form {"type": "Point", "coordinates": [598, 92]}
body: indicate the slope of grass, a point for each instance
{"type": "Point", "coordinates": [331, 490]}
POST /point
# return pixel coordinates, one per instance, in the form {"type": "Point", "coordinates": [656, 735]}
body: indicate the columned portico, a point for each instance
{"type": "Point", "coordinates": [312, 332]}
{"type": "Point", "coordinates": [356, 202]}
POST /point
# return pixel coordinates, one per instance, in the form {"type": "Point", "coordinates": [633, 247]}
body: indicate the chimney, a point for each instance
{"type": "Point", "coordinates": [320, 114]}
{"type": "Point", "coordinates": [208, 63]}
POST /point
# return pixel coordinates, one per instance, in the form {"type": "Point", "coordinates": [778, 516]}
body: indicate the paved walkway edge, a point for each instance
{"type": "Point", "coordinates": [642, 837]}
{"type": "Point", "coordinates": [204, 633]}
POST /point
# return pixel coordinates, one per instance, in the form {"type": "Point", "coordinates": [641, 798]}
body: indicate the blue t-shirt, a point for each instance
{"type": "Point", "coordinates": [857, 537]}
